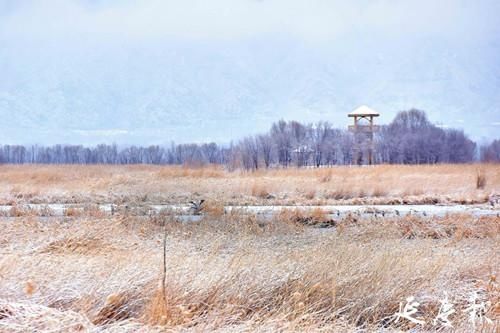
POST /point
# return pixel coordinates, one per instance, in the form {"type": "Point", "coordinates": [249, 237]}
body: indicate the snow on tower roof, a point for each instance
{"type": "Point", "coordinates": [364, 111]}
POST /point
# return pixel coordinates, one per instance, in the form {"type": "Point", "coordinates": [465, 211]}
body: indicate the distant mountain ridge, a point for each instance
{"type": "Point", "coordinates": [189, 92]}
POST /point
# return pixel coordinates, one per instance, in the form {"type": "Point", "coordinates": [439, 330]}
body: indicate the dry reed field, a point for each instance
{"type": "Point", "coordinates": [294, 271]}
{"type": "Point", "coordinates": [383, 184]}
{"type": "Point", "coordinates": [237, 273]}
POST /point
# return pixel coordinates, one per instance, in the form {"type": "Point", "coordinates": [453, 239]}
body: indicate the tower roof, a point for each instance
{"type": "Point", "coordinates": [363, 110]}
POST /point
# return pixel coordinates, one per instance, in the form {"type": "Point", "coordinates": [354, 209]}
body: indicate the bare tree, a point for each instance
{"type": "Point", "coordinates": [210, 152]}
{"type": "Point", "coordinates": [250, 153]}
{"type": "Point", "coordinates": [265, 146]}
{"type": "Point", "coordinates": [280, 134]}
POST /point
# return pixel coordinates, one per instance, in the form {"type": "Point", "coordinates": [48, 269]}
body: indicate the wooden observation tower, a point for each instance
{"type": "Point", "coordinates": [363, 130]}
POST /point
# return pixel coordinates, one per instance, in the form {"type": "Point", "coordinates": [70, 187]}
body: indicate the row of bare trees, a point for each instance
{"type": "Point", "coordinates": [412, 139]}
{"type": "Point", "coordinates": [293, 143]}
{"type": "Point", "coordinates": [409, 139]}
{"type": "Point", "coordinates": [192, 154]}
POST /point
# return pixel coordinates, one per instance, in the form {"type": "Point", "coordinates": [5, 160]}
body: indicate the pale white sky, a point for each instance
{"type": "Point", "coordinates": [312, 20]}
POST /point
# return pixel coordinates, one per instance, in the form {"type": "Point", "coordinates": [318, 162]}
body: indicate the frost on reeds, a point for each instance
{"type": "Point", "coordinates": [453, 226]}
{"type": "Point", "coordinates": [240, 272]}
{"type": "Point", "coordinates": [84, 245]}
{"type": "Point", "coordinates": [23, 317]}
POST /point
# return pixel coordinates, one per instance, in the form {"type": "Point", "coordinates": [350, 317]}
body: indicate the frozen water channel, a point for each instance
{"type": "Point", "coordinates": [54, 209]}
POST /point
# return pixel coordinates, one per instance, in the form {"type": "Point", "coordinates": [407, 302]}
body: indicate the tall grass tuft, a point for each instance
{"type": "Point", "coordinates": [480, 179]}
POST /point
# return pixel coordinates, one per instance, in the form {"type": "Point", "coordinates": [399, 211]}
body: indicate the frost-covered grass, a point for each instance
{"type": "Point", "coordinates": [237, 273]}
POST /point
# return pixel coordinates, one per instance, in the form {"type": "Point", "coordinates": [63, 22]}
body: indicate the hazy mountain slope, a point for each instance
{"type": "Point", "coordinates": [190, 92]}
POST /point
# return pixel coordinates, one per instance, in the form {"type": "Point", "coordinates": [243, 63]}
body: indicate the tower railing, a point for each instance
{"type": "Point", "coordinates": [364, 128]}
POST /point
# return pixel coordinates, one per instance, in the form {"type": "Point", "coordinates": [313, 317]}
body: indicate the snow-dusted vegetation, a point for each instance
{"type": "Point", "coordinates": [133, 269]}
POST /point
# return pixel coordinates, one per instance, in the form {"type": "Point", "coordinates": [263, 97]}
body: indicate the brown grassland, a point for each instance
{"type": "Point", "coordinates": [234, 272]}
{"type": "Point", "coordinates": [177, 184]}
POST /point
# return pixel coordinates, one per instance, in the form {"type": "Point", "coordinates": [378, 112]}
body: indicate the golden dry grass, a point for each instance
{"type": "Point", "coordinates": [240, 273]}
{"type": "Point", "coordinates": [172, 184]}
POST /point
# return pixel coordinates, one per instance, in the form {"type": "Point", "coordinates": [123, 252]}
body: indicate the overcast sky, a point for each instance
{"type": "Point", "coordinates": [311, 20]}
{"type": "Point", "coordinates": [104, 39]}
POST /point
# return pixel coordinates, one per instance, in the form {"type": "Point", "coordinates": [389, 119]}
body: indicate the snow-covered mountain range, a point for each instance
{"type": "Point", "coordinates": [186, 91]}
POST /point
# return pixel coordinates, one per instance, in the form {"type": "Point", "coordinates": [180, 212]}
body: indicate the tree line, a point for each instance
{"type": "Point", "coordinates": [409, 139]}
